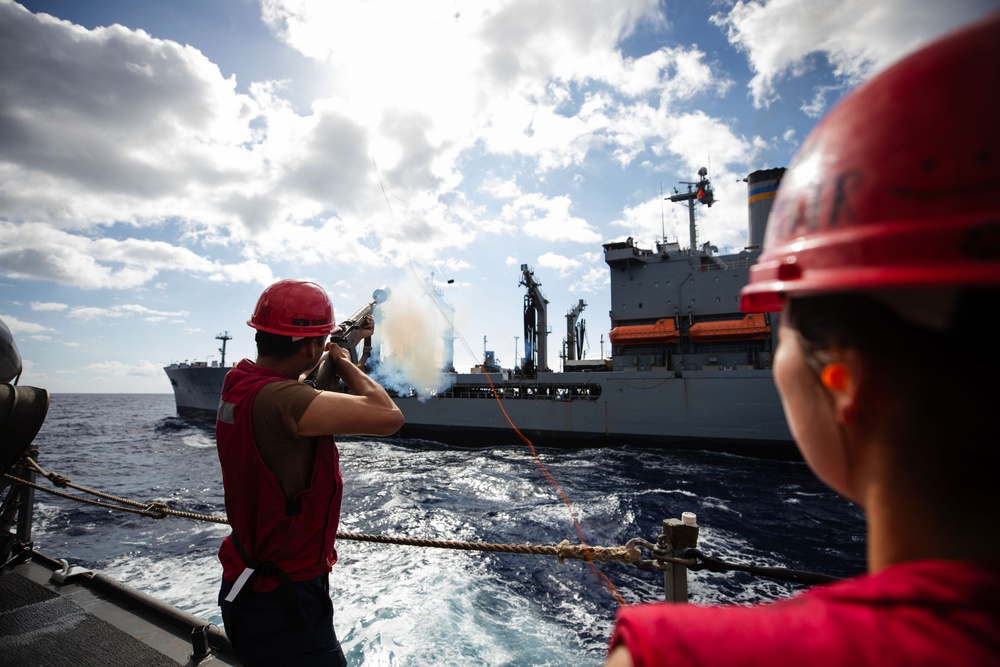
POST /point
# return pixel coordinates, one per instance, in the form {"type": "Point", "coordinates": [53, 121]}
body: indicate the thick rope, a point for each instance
{"type": "Point", "coordinates": [630, 554]}
{"type": "Point", "coordinates": [159, 510]}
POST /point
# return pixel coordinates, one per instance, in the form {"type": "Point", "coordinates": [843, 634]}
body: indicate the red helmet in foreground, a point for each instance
{"type": "Point", "coordinates": [293, 308]}
{"type": "Point", "coordinates": [898, 186]}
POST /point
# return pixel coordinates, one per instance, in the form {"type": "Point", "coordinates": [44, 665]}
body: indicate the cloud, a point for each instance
{"type": "Point", "coordinates": [118, 369]}
{"type": "Point", "coordinates": [402, 138]}
{"type": "Point", "coordinates": [594, 279]}
{"type": "Point", "coordinates": [120, 135]}
{"type": "Point", "coordinates": [37, 251]}
{"type": "Point", "coordinates": [109, 123]}
{"type": "Point", "coordinates": [122, 311]}
{"type": "Point", "coordinates": [856, 37]}
{"type": "Point", "coordinates": [563, 265]}
{"type": "Point", "coordinates": [48, 306]}
{"type": "Point", "coordinates": [549, 219]}
{"type": "Point", "coordinates": [18, 326]}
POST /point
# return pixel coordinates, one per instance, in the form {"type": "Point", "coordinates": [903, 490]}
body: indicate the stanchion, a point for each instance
{"type": "Point", "coordinates": [678, 535]}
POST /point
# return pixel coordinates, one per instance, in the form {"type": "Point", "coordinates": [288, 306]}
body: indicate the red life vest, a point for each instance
{"type": "Point", "coordinates": [931, 612]}
{"type": "Point", "coordinates": [295, 534]}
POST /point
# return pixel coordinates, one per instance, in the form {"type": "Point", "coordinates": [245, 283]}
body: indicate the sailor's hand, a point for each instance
{"type": "Point", "coordinates": [337, 352]}
{"type": "Point", "coordinates": [367, 327]}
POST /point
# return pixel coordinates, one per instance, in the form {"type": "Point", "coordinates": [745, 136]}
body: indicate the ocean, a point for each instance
{"type": "Point", "coordinates": [411, 606]}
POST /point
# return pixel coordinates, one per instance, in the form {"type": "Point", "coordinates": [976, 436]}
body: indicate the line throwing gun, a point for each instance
{"type": "Point", "coordinates": [347, 333]}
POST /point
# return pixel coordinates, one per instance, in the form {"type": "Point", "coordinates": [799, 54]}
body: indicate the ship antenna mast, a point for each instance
{"type": "Point", "coordinates": [704, 194]}
{"type": "Point", "coordinates": [663, 224]}
{"type": "Point", "coordinates": [224, 336]}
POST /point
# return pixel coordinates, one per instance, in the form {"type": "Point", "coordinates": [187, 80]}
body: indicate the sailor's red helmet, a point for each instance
{"type": "Point", "coordinates": [293, 308]}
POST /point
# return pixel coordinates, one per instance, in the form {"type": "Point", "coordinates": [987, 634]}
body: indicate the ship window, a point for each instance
{"type": "Point", "coordinates": [718, 299]}
{"type": "Point", "coordinates": [639, 285]}
{"type": "Point", "coordinates": [656, 285]}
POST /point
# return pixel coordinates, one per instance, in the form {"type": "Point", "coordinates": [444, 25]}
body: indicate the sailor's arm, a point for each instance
{"type": "Point", "coordinates": [367, 410]}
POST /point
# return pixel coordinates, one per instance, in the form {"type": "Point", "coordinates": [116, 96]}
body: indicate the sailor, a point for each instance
{"type": "Point", "coordinates": [883, 255]}
{"type": "Point", "coordinates": [282, 481]}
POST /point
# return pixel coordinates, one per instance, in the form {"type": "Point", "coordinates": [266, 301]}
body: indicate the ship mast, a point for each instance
{"type": "Point", "coordinates": [224, 336]}
{"type": "Point", "coordinates": [703, 194]}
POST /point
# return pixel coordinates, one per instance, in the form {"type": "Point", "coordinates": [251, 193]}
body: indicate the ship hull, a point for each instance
{"type": "Point", "coordinates": [730, 409]}
{"type": "Point", "coordinates": [656, 408]}
{"type": "Point", "coordinates": [196, 389]}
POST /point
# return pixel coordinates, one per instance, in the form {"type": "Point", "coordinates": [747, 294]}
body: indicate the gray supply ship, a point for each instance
{"type": "Point", "coordinates": [687, 368]}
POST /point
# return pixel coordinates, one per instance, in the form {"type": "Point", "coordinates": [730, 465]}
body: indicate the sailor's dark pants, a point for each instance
{"type": "Point", "coordinates": [265, 629]}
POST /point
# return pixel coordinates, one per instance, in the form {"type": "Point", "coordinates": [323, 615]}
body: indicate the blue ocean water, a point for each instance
{"type": "Point", "coordinates": [400, 605]}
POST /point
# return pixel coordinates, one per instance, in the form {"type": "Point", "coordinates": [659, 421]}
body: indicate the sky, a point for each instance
{"type": "Point", "coordinates": [163, 162]}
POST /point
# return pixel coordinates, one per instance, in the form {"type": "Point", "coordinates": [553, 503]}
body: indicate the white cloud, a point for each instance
{"type": "Point", "coordinates": [560, 263]}
{"type": "Point", "coordinates": [135, 132]}
{"type": "Point", "coordinates": [549, 219]}
{"type": "Point", "coordinates": [594, 279]}
{"type": "Point", "coordinates": [118, 369]}
{"type": "Point", "coordinates": [38, 251]}
{"type": "Point", "coordinates": [856, 37]}
{"type": "Point", "coordinates": [122, 311]}
{"type": "Point", "coordinates": [18, 326]}
{"type": "Point", "coordinates": [48, 306]}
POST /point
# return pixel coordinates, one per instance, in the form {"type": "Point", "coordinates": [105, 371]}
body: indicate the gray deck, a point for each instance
{"type": "Point", "coordinates": [93, 620]}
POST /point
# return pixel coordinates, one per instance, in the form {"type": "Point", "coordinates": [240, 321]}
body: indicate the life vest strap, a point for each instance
{"type": "Point", "coordinates": [253, 568]}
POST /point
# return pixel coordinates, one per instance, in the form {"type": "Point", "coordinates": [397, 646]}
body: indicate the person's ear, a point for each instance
{"type": "Point", "coordinates": [843, 378]}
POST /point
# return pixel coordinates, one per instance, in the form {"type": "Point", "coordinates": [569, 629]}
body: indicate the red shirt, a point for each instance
{"type": "Point", "coordinates": [931, 612]}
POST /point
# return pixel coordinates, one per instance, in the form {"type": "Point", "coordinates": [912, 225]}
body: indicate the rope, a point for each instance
{"type": "Point", "coordinates": [159, 510]}
{"type": "Point", "coordinates": [562, 551]}
{"type": "Point", "coordinates": [155, 509]}
{"type": "Point", "coordinates": [692, 559]}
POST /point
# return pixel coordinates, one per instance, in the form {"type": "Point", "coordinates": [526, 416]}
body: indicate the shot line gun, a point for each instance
{"type": "Point", "coordinates": [346, 335]}
{"type": "Point", "coordinates": [349, 330]}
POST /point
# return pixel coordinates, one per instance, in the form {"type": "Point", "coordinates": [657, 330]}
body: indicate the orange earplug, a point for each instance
{"type": "Point", "coordinates": [835, 377]}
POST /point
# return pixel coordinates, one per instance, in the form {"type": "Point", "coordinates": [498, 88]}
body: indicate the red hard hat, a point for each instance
{"type": "Point", "coordinates": [898, 186]}
{"type": "Point", "coordinates": [293, 308]}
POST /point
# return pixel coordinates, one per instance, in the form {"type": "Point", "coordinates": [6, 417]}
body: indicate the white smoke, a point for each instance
{"type": "Point", "coordinates": [410, 329]}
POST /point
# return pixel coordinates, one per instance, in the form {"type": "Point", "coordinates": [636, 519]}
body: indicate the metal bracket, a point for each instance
{"type": "Point", "coordinates": [68, 572]}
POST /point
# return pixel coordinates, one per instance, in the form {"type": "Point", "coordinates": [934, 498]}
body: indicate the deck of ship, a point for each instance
{"type": "Point", "coordinates": [89, 619]}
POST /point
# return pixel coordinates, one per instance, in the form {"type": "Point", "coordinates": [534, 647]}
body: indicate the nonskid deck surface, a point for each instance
{"type": "Point", "coordinates": [74, 625]}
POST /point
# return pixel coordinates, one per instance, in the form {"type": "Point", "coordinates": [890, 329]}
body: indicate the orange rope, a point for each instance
{"type": "Point", "coordinates": [600, 576]}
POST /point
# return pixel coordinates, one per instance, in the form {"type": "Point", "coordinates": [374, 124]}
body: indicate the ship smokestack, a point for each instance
{"type": "Point", "coordinates": [762, 186]}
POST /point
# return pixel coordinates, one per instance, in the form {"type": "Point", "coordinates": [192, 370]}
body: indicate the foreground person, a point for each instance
{"type": "Point", "coordinates": [281, 475]}
{"type": "Point", "coordinates": [883, 255]}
